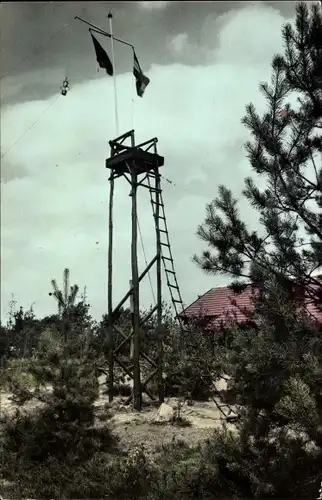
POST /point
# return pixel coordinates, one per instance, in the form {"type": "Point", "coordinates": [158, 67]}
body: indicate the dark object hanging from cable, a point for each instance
{"type": "Point", "coordinates": [64, 87]}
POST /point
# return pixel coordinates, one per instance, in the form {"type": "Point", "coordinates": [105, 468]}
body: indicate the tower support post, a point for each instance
{"type": "Point", "coordinates": [110, 331]}
{"type": "Point", "coordinates": [137, 389]}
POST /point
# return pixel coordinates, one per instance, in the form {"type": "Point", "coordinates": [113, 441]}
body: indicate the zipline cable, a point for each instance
{"type": "Point", "coordinates": [31, 126]}
{"type": "Point", "coordinates": [138, 223]}
{"type": "Point", "coordinates": [67, 68]}
{"type": "Point", "coordinates": [146, 262]}
{"type": "Point", "coordinates": [38, 49]}
{"type": "Point", "coordinates": [133, 104]}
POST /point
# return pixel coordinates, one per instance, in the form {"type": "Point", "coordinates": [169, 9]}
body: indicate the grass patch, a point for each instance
{"type": "Point", "coordinates": [175, 421]}
{"type": "Point", "coordinates": [181, 422]}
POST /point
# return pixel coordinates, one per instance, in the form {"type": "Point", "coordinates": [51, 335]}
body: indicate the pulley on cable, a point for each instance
{"type": "Point", "coordinates": [64, 88]}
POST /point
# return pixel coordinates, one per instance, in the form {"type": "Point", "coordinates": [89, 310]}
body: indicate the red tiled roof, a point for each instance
{"type": "Point", "coordinates": [222, 304]}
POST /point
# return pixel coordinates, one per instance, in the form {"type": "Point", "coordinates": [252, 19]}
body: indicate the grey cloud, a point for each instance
{"type": "Point", "coordinates": [156, 5]}
{"type": "Point", "coordinates": [53, 217]}
{"type": "Point", "coordinates": [12, 171]}
{"type": "Point", "coordinates": [26, 26]}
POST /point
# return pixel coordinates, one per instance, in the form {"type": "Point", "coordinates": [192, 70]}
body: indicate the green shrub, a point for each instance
{"type": "Point", "coordinates": [103, 475]}
{"type": "Point", "coordinates": [17, 373]}
{"type": "Point", "coordinates": [181, 473]}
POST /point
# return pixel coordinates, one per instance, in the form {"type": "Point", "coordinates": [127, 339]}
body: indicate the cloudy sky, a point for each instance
{"type": "Point", "coordinates": [205, 61]}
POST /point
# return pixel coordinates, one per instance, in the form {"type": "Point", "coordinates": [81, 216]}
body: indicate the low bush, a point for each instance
{"type": "Point", "coordinates": [17, 373]}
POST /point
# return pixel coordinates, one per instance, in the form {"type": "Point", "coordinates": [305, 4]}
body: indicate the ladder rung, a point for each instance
{"type": "Point", "coordinates": [150, 188]}
{"type": "Point", "coordinates": [174, 280]}
{"type": "Point", "coordinates": [159, 204]}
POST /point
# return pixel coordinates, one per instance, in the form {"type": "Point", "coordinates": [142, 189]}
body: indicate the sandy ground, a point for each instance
{"type": "Point", "coordinates": [139, 428]}
{"type": "Point", "coordinates": [135, 428]}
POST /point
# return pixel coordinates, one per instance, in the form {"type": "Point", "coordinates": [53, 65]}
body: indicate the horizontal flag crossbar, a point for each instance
{"type": "Point", "coordinates": [104, 33]}
{"type": "Point", "coordinates": [104, 62]}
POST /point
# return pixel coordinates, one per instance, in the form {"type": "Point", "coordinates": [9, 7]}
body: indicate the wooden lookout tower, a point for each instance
{"type": "Point", "coordinates": [139, 165]}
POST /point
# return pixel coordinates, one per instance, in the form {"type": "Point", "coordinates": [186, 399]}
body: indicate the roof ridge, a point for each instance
{"type": "Point", "coordinates": [229, 286]}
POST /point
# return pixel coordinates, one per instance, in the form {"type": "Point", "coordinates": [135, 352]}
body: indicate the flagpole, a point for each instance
{"type": "Point", "coordinates": [110, 17]}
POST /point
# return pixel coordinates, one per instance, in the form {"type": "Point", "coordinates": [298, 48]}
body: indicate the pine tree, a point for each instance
{"type": "Point", "coordinates": [286, 154]}
{"type": "Point", "coordinates": [277, 368]}
{"type": "Point", "coordinates": [22, 335]}
{"type": "Point", "coordinates": [66, 298]}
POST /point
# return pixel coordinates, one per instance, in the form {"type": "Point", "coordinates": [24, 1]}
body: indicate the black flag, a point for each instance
{"type": "Point", "coordinates": [142, 81]}
{"type": "Point", "coordinates": [103, 60]}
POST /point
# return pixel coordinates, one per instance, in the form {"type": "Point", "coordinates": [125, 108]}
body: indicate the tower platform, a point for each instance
{"type": "Point", "coordinates": [134, 158]}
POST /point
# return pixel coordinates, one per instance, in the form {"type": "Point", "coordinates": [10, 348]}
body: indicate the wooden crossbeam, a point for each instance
{"type": "Point", "coordinates": [130, 374]}
{"type": "Point", "coordinates": [126, 339]}
{"type": "Point", "coordinates": [152, 374]}
{"type": "Point", "coordinates": [146, 270]}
